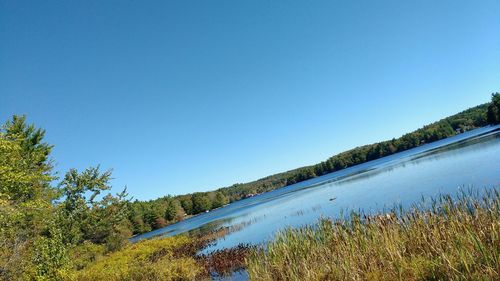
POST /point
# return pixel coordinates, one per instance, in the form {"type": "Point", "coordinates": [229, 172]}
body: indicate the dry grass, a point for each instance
{"type": "Point", "coordinates": [450, 240]}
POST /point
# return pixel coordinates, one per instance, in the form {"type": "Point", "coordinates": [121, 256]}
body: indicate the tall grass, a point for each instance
{"type": "Point", "coordinates": [449, 240]}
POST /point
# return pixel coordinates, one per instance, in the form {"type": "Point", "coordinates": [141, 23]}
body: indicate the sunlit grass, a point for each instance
{"type": "Point", "coordinates": [450, 240]}
{"type": "Point", "coordinates": [161, 258]}
{"type": "Point", "coordinates": [155, 259]}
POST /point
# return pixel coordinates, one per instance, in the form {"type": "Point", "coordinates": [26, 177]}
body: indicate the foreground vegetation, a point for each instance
{"type": "Point", "coordinates": [74, 232]}
{"type": "Point", "coordinates": [72, 228]}
{"type": "Point", "coordinates": [165, 258]}
{"type": "Point", "coordinates": [452, 240]}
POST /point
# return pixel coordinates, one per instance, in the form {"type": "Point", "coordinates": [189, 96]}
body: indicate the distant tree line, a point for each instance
{"type": "Point", "coordinates": [145, 216]}
{"type": "Point", "coordinates": [149, 215]}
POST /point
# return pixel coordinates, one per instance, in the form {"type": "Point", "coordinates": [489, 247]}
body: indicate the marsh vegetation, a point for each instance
{"type": "Point", "coordinates": [451, 240]}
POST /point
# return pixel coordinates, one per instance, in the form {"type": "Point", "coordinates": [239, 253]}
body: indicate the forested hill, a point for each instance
{"type": "Point", "coordinates": [154, 214]}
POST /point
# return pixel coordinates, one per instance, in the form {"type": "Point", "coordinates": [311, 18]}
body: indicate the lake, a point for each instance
{"type": "Point", "coordinates": [465, 161]}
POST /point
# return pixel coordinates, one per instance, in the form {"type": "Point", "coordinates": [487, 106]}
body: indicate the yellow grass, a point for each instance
{"type": "Point", "coordinates": [155, 259]}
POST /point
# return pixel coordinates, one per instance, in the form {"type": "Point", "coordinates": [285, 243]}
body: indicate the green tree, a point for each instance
{"type": "Point", "coordinates": [219, 200]}
{"type": "Point", "coordinates": [201, 203]}
{"type": "Point", "coordinates": [173, 210]}
{"type": "Point", "coordinates": [31, 140]}
{"type": "Point", "coordinates": [187, 203]}
{"type": "Point", "coordinates": [25, 199]}
{"type": "Point", "coordinates": [25, 168]}
{"type": "Point", "coordinates": [83, 218]}
{"type": "Point", "coordinates": [76, 207]}
{"type": "Point", "coordinates": [493, 114]}
{"type": "Point", "coordinates": [136, 217]}
{"type": "Point", "coordinates": [109, 223]}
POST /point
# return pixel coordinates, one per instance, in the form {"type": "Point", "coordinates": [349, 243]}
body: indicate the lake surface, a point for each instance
{"type": "Point", "coordinates": [466, 161]}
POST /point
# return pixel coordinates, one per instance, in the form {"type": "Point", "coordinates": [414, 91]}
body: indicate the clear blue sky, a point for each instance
{"type": "Point", "coordinates": [183, 96]}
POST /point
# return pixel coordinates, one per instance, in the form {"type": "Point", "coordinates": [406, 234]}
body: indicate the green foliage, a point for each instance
{"type": "Point", "coordinates": [137, 217]}
{"type": "Point", "coordinates": [494, 109]}
{"type": "Point", "coordinates": [31, 141]}
{"type": "Point", "coordinates": [219, 200]}
{"type": "Point", "coordinates": [201, 202]}
{"type": "Point", "coordinates": [25, 197]}
{"type": "Point", "coordinates": [35, 232]}
{"type": "Point", "coordinates": [75, 210]}
{"type": "Point", "coordinates": [51, 255]}
{"type": "Point", "coordinates": [109, 223]}
{"type": "Point", "coordinates": [25, 170]}
{"type": "Point", "coordinates": [75, 185]}
{"type": "Point", "coordinates": [84, 218]}
{"type": "Point", "coordinates": [173, 211]}
{"type": "Point", "coordinates": [187, 204]}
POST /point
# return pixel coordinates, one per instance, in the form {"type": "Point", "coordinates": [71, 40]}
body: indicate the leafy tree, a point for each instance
{"type": "Point", "coordinates": [493, 115]}
{"type": "Point", "coordinates": [201, 202]}
{"type": "Point", "coordinates": [219, 200]}
{"type": "Point", "coordinates": [31, 141]}
{"type": "Point", "coordinates": [25, 198]}
{"type": "Point", "coordinates": [187, 204]}
{"type": "Point", "coordinates": [136, 217]}
{"type": "Point", "coordinates": [109, 223]}
{"type": "Point", "coordinates": [25, 168]}
{"type": "Point", "coordinates": [76, 207]}
{"type": "Point", "coordinates": [84, 218]}
{"type": "Point", "coordinates": [173, 210]}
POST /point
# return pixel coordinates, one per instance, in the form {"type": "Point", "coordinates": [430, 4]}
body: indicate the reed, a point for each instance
{"type": "Point", "coordinates": [440, 239]}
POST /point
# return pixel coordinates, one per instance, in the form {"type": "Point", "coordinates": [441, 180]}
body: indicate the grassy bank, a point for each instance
{"type": "Point", "coordinates": [156, 259]}
{"type": "Point", "coordinates": [167, 258]}
{"type": "Point", "coordinates": [449, 241]}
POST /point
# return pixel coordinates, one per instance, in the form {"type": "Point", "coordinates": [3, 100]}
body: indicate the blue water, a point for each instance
{"type": "Point", "coordinates": [465, 161]}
